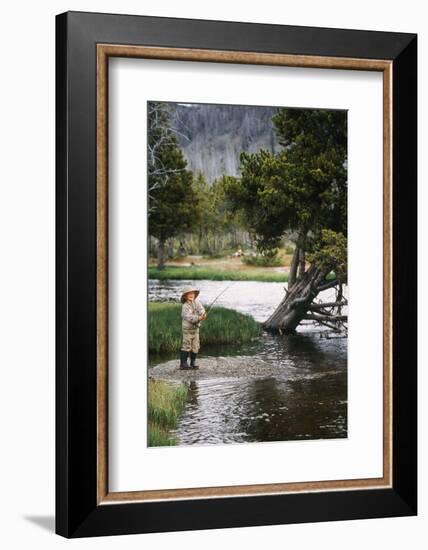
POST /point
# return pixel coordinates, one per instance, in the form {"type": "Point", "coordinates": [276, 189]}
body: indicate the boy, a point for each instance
{"type": "Point", "coordinates": [192, 313]}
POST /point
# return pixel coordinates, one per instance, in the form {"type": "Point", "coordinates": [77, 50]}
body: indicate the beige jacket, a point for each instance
{"type": "Point", "coordinates": [190, 313]}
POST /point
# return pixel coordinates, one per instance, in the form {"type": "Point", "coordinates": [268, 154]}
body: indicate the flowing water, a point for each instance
{"type": "Point", "coordinates": [306, 400]}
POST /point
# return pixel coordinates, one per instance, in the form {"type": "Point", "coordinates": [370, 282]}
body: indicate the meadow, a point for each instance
{"type": "Point", "coordinates": [198, 273]}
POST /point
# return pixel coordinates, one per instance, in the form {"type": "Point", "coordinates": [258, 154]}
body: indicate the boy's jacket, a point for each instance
{"type": "Point", "coordinates": [190, 313]}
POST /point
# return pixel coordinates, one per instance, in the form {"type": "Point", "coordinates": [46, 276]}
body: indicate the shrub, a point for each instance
{"type": "Point", "coordinates": [262, 260]}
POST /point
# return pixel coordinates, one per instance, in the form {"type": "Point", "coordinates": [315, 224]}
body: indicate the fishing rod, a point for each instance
{"type": "Point", "coordinates": [217, 297]}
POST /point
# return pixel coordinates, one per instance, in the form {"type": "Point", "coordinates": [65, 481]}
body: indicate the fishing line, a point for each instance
{"type": "Point", "coordinates": [217, 297]}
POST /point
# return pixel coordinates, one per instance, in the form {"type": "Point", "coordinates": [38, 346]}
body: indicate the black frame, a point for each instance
{"type": "Point", "coordinates": [77, 513]}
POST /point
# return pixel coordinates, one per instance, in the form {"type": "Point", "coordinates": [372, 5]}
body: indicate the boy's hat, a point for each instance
{"type": "Point", "coordinates": [186, 290]}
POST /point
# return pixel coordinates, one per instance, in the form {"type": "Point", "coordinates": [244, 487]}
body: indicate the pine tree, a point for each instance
{"type": "Point", "coordinates": [173, 204]}
{"type": "Point", "coordinates": [301, 189]}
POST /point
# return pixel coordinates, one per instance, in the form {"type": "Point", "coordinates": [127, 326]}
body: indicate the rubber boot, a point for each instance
{"type": "Point", "coordinates": [183, 360]}
{"type": "Point", "coordinates": [192, 361]}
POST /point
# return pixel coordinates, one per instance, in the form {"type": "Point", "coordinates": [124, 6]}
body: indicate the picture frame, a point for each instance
{"type": "Point", "coordinates": [84, 44]}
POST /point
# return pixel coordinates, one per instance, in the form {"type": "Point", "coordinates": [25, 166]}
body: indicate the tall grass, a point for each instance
{"type": "Point", "coordinates": [222, 326]}
{"type": "Point", "coordinates": [160, 437]}
{"type": "Point", "coordinates": [165, 404]}
{"type": "Point", "coordinates": [196, 273]}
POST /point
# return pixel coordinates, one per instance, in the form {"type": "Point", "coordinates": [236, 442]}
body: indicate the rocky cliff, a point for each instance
{"type": "Point", "coordinates": [212, 135]}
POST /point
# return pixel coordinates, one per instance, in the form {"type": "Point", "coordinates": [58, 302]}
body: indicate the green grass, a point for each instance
{"type": "Point", "coordinates": [213, 274]}
{"type": "Point", "coordinates": [165, 404]}
{"type": "Point", "coordinates": [222, 326]}
{"type": "Point", "coordinates": [160, 437]}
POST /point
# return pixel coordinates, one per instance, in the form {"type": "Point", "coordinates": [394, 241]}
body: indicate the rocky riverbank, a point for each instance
{"type": "Point", "coordinates": [217, 367]}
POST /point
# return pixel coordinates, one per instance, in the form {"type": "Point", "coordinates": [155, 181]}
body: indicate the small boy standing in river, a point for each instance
{"type": "Point", "coordinates": [192, 313]}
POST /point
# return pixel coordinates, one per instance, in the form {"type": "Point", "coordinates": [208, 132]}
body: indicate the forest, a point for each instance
{"type": "Point", "coordinates": [283, 217]}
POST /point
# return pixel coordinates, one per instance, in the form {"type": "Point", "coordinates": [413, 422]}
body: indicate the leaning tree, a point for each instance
{"type": "Point", "coordinates": [302, 190]}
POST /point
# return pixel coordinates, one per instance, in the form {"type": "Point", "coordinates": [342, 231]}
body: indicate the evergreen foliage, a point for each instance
{"type": "Point", "coordinates": [302, 189]}
{"type": "Point", "coordinates": [173, 201]}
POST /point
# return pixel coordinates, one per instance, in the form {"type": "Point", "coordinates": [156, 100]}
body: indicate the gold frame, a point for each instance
{"type": "Point", "coordinates": [104, 51]}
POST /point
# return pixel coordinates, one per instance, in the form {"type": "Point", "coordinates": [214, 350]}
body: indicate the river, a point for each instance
{"type": "Point", "coordinates": [307, 399]}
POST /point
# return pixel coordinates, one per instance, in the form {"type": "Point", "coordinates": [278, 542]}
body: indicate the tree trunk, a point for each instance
{"type": "Point", "coordinates": [292, 309]}
{"type": "Point", "coordinates": [302, 263]}
{"type": "Point", "coordinates": [200, 240]}
{"type": "Point", "coordinates": [293, 268]}
{"type": "Point", "coordinates": [161, 254]}
{"type": "Point", "coordinates": [301, 243]}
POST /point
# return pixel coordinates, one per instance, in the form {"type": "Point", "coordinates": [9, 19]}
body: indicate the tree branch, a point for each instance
{"type": "Point", "coordinates": [328, 304]}
{"type": "Point", "coordinates": [331, 318]}
{"type": "Point", "coordinates": [328, 285]}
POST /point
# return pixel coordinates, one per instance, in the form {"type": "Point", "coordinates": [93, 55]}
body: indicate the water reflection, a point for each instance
{"type": "Point", "coordinates": [233, 411]}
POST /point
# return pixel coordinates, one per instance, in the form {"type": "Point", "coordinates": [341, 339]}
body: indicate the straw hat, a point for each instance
{"type": "Point", "coordinates": [186, 290]}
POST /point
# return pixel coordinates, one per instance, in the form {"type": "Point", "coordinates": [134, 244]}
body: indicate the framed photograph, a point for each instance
{"type": "Point", "coordinates": [236, 274]}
